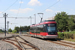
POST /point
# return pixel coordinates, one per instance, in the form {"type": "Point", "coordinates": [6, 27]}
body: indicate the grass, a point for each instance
{"type": "Point", "coordinates": [73, 40]}
{"type": "Point", "coordinates": [13, 33]}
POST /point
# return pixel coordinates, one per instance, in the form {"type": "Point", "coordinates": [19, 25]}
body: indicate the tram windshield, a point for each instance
{"type": "Point", "coordinates": [51, 27]}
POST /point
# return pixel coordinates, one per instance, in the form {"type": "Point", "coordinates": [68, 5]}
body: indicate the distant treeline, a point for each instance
{"type": "Point", "coordinates": [22, 29]}
{"type": "Point", "coordinates": [1, 30]}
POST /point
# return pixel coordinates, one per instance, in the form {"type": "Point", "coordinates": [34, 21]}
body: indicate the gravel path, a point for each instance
{"type": "Point", "coordinates": [44, 45]}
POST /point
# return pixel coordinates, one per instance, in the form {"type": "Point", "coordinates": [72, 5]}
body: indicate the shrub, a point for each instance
{"type": "Point", "coordinates": [66, 35]}
{"type": "Point", "coordinates": [61, 35]}
{"type": "Point", "coordinates": [14, 31]}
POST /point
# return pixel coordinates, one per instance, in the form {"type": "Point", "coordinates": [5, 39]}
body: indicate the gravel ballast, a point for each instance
{"type": "Point", "coordinates": [6, 46]}
{"type": "Point", "coordinates": [44, 45]}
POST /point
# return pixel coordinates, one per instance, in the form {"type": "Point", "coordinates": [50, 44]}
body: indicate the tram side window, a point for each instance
{"type": "Point", "coordinates": [31, 29]}
{"type": "Point", "coordinates": [40, 28]}
{"type": "Point", "coordinates": [44, 28]}
{"type": "Point", "coordinates": [34, 29]}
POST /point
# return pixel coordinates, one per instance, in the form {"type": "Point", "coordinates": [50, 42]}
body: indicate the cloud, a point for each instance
{"type": "Point", "coordinates": [21, 2]}
{"type": "Point", "coordinates": [22, 10]}
{"type": "Point", "coordinates": [49, 10]}
{"type": "Point", "coordinates": [58, 11]}
{"type": "Point", "coordinates": [0, 12]}
{"type": "Point", "coordinates": [71, 9]}
{"type": "Point", "coordinates": [59, 0]}
{"type": "Point", "coordinates": [34, 3]}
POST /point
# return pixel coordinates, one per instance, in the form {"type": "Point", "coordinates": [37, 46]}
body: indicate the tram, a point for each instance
{"type": "Point", "coordinates": [45, 29]}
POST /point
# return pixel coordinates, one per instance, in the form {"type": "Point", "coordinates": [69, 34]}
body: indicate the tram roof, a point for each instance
{"type": "Point", "coordinates": [44, 22]}
{"type": "Point", "coordinates": [48, 20]}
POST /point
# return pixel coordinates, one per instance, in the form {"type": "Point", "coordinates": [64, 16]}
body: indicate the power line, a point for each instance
{"type": "Point", "coordinates": [10, 5]}
{"type": "Point", "coordinates": [19, 17]}
{"type": "Point", "coordinates": [19, 8]}
{"type": "Point", "coordinates": [51, 5]}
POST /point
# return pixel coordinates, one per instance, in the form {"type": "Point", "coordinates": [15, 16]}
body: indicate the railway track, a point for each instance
{"type": "Point", "coordinates": [21, 43]}
{"type": "Point", "coordinates": [61, 42]}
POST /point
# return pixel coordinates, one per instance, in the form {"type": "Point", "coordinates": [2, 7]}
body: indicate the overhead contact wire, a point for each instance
{"type": "Point", "coordinates": [10, 5]}
{"type": "Point", "coordinates": [51, 5]}
{"type": "Point", "coordinates": [19, 8]}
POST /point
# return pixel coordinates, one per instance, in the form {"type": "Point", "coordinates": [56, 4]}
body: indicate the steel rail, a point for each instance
{"type": "Point", "coordinates": [20, 44]}
{"type": "Point", "coordinates": [13, 44]}
{"type": "Point", "coordinates": [30, 44]}
{"type": "Point", "coordinates": [61, 43]}
{"type": "Point", "coordinates": [67, 42]}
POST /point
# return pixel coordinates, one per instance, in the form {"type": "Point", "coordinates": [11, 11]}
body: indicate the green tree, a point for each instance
{"type": "Point", "coordinates": [24, 28]}
{"type": "Point", "coordinates": [71, 23]}
{"type": "Point", "coordinates": [62, 21]}
{"type": "Point", "coordinates": [10, 30]}
{"type": "Point", "coordinates": [28, 28]}
{"type": "Point", "coordinates": [14, 31]}
{"type": "Point", "coordinates": [17, 29]}
{"type": "Point", "coordinates": [1, 30]}
{"type": "Point", "coordinates": [21, 28]}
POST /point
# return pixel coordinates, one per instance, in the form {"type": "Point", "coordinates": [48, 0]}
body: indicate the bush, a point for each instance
{"type": "Point", "coordinates": [14, 31]}
{"type": "Point", "coordinates": [61, 35]}
{"type": "Point", "coordinates": [66, 35]}
{"type": "Point", "coordinates": [10, 30]}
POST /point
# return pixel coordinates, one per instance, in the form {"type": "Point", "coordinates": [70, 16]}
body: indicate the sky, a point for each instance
{"type": "Point", "coordinates": [27, 8]}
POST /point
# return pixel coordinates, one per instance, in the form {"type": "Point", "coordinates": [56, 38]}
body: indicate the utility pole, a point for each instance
{"type": "Point", "coordinates": [35, 23]}
{"type": "Point", "coordinates": [7, 26]}
{"type": "Point", "coordinates": [5, 15]}
{"type": "Point", "coordinates": [35, 18]}
{"type": "Point", "coordinates": [40, 16]}
{"type": "Point", "coordinates": [30, 20]}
